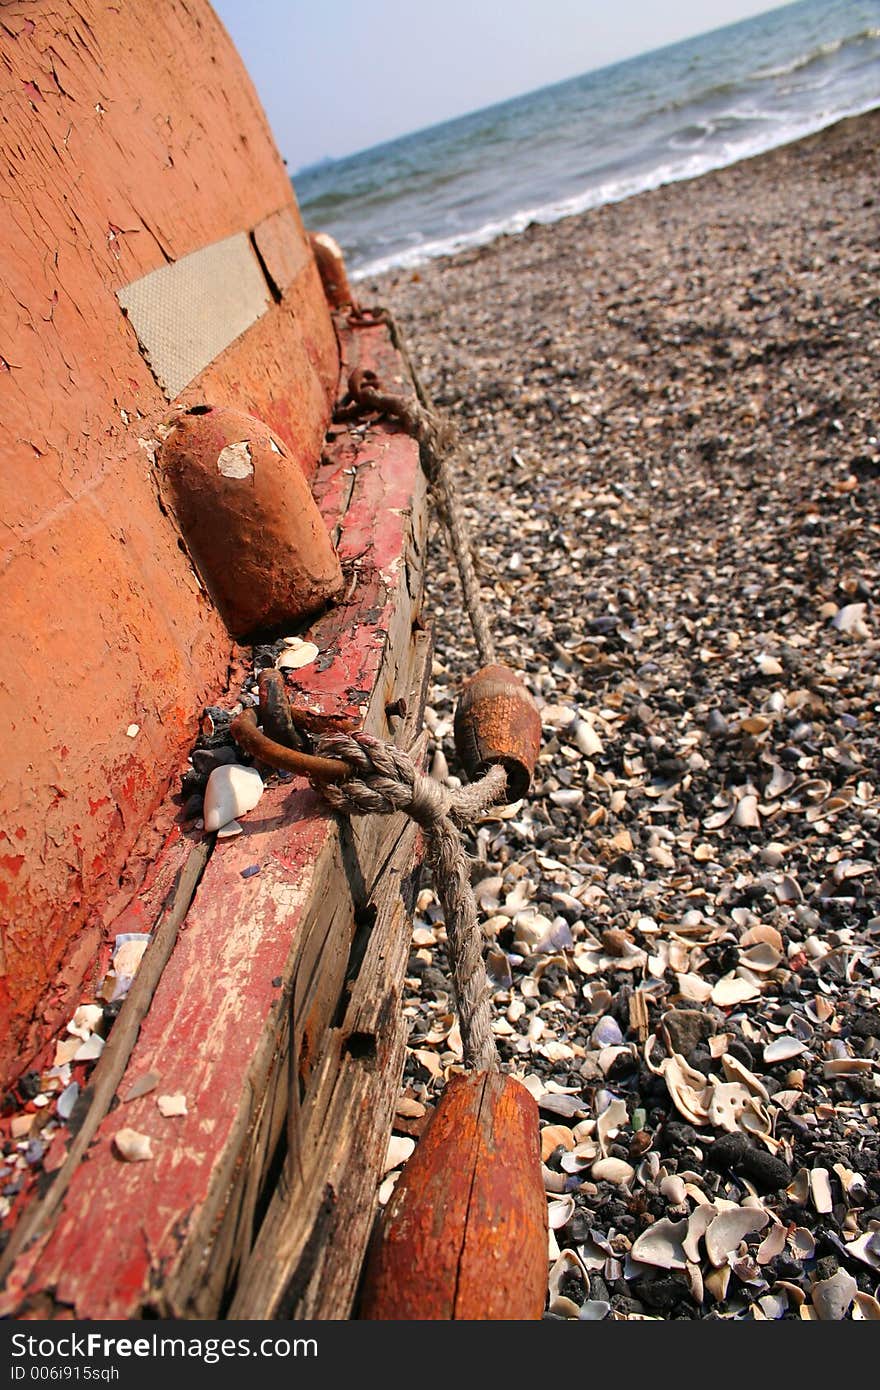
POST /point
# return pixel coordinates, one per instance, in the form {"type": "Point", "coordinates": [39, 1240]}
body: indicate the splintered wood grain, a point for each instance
{"type": "Point", "coordinates": [464, 1235]}
{"type": "Point", "coordinates": [263, 964]}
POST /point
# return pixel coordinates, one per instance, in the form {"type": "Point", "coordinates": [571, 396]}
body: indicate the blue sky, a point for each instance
{"type": "Point", "coordinates": [337, 76]}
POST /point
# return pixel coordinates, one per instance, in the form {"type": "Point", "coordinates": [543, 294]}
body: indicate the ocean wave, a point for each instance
{"type": "Point", "coordinates": [815, 55]}
{"type": "Point", "coordinates": [720, 156]}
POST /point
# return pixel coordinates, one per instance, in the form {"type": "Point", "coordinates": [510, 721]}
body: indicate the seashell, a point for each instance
{"type": "Point", "coordinates": [552, 1136]}
{"type": "Point", "coordinates": [734, 1070]}
{"type": "Point", "coordinates": [802, 1243]}
{"type": "Point", "coordinates": [606, 1033]}
{"type": "Point", "coordinates": [833, 1297]}
{"type": "Point", "coordinates": [398, 1151]}
{"type": "Point", "coordinates": [747, 1270]}
{"type": "Point", "coordinates": [866, 1308]}
{"type": "Point", "coordinates": [231, 791]}
{"type": "Point", "coordinates": [820, 1190]}
{"type": "Point", "coordinates": [594, 1310]}
{"type": "Point", "coordinates": [90, 1050]}
{"type": "Point", "coordinates": [132, 1146]}
{"type": "Point", "coordinates": [613, 1170]}
{"type": "Point", "coordinates": [660, 1245]}
{"type": "Point", "coordinates": [727, 1103]}
{"type": "Point", "coordinates": [772, 1245]}
{"type": "Point", "coordinates": [788, 890]}
{"type": "Point", "coordinates": [674, 1189]}
{"type": "Point", "coordinates": [560, 1212]}
{"type": "Point", "coordinates": [755, 724]}
{"type": "Point", "coordinates": [143, 1086]}
{"type": "Point", "coordinates": [732, 989]}
{"type": "Point", "coordinates": [746, 815]}
{"type": "Point", "coordinates": [568, 1263]}
{"type": "Point", "coordinates": [762, 957]}
{"type": "Point", "coordinates": [773, 1305]}
{"type": "Point", "coordinates": [851, 619]}
{"type": "Point", "coordinates": [66, 1101]}
{"type": "Point", "coordinates": [648, 1168]}
{"type": "Point", "coordinates": [230, 830]}
{"type": "Point", "coordinates": [689, 1090]}
{"type": "Point", "coordinates": [567, 797]}
{"type": "Point", "coordinates": [768, 665]}
{"type": "Point", "coordinates": [716, 1282]}
{"type": "Point", "coordinates": [85, 1020]}
{"type": "Point", "coordinates": [845, 1066]}
{"type": "Point", "coordinates": [781, 781]}
{"type": "Point", "coordinates": [296, 654]}
{"type": "Point", "coordinates": [866, 1248]}
{"type": "Point", "coordinates": [793, 1292]}
{"type": "Point", "coordinates": [694, 988]}
{"type": "Point", "coordinates": [719, 818]}
{"type": "Point", "coordinates": [488, 892]}
{"type": "Point", "coordinates": [695, 1282]}
{"type": "Point", "coordinates": [564, 1307]}
{"type": "Point", "coordinates": [728, 1229]}
{"type": "Point", "coordinates": [172, 1106]}
{"type": "Point", "coordinates": [798, 1190]}
{"type": "Point", "coordinates": [609, 1122]}
{"type": "Point", "coordinates": [781, 1049]}
{"type": "Point", "coordinates": [586, 738]}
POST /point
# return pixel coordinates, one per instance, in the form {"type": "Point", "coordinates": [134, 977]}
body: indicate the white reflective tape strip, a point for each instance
{"type": "Point", "coordinates": [185, 314]}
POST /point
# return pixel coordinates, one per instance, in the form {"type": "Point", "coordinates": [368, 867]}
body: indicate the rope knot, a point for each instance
{"type": "Point", "coordinates": [385, 780]}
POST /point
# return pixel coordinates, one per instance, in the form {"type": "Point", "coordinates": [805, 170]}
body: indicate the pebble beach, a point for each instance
{"type": "Point", "coordinates": [668, 411]}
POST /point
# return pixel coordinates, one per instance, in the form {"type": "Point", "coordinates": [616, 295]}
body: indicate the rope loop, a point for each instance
{"type": "Point", "coordinates": [385, 780]}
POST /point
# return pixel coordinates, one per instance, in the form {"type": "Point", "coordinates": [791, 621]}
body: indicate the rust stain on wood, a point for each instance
{"type": "Point", "coordinates": [465, 1232]}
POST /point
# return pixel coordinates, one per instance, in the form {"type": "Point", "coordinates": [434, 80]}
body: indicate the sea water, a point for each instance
{"type": "Point", "coordinates": [666, 115]}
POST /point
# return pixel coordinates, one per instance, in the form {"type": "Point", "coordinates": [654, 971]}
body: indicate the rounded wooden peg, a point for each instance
{"type": "Point", "coordinates": [497, 721]}
{"type": "Point", "coordinates": [249, 520]}
{"type": "Point", "coordinates": [464, 1235]}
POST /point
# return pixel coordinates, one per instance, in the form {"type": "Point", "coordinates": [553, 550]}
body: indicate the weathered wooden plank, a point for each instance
{"type": "Point", "coordinates": [464, 1235]}
{"type": "Point", "coordinates": [169, 1235]}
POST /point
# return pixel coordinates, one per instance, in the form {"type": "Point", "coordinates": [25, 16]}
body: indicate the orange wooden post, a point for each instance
{"type": "Point", "coordinates": [249, 520]}
{"type": "Point", "coordinates": [464, 1235]}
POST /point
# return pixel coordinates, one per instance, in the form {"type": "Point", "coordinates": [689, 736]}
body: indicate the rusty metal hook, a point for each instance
{"type": "Point", "coordinates": [246, 734]}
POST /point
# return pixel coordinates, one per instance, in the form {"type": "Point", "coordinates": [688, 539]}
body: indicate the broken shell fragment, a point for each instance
{"type": "Point", "coordinates": [296, 655]}
{"type": "Point", "coordinates": [231, 791]}
{"type": "Point", "coordinates": [732, 989]}
{"type": "Point", "coordinates": [832, 1298]}
{"type": "Point", "coordinates": [171, 1106]}
{"type": "Point", "coordinates": [729, 1228]}
{"type": "Point", "coordinates": [613, 1170]}
{"type": "Point", "coordinates": [820, 1190]}
{"type": "Point", "coordinates": [661, 1245]}
{"type": "Point", "coordinates": [133, 1146]}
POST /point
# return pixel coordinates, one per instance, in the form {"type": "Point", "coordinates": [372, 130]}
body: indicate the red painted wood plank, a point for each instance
{"type": "Point", "coordinates": [219, 1001]}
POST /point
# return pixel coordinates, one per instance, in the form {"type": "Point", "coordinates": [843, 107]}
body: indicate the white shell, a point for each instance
{"type": "Point", "coordinates": [614, 1170]}
{"type": "Point", "coordinates": [586, 738]}
{"type": "Point", "coordinates": [132, 1146]}
{"type": "Point", "coordinates": [169, 1106]}
{"type": "Point", "coordinates": [732, 989]}
{"type": "Point", "coordinates": [295, 656]}
{"type": "Point", "coordinates": [728, 1229]}
{"type": "Point", "coordinates": [661, 1245]}
{"type": "Point", "coordinates": [231, 791]}
{"type": "Point", "coordinates": [832, 1297]}
{"type": "Point", "coordinates": [781, 1049]}
{"type": "Point", "coordinates": [399, 1150]}
{"type": "Point", "coordinates": [746, 814]}
{"type": "Point", "coordinates": [820, 1190]}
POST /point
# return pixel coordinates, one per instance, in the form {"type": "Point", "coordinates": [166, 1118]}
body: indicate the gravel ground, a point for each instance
{"type": "Point", "coordinates": [669, 419]}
